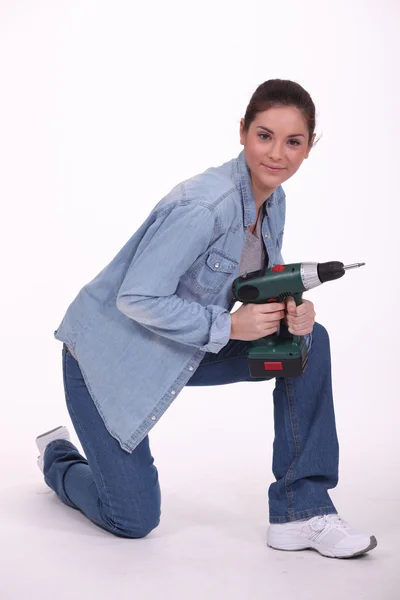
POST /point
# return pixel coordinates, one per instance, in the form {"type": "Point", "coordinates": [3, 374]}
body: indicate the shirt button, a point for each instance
{"type": "Point", "coordinates": [173, 392]}
{"type": "Point", "coordinates": [153, 418]}
{"type": "Point", "coordinates": [190, 368]}
{"type": "Point", "coordinates": [216, 265]}
{"type": "Point", "coordinates": [267, 235]}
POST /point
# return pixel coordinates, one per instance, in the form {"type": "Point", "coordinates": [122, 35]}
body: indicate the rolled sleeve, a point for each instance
{"type": "Point", "coordinates": [220, 332]}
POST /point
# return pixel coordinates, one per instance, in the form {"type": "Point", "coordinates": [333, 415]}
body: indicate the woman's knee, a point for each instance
{"type": "Point", "coordinates": [136, 516]}
{"type": "Point", "coordinates": [320, 334]}
{"type": "Point", "coordinates": [142, 530]}
{"type": "Point", "coordinates": [133, 528]}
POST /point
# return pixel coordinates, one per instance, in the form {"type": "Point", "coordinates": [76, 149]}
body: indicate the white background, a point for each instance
{"type": "Point", "coordinates": [104, 107]}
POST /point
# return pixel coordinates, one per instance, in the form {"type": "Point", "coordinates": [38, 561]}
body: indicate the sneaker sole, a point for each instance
{"type": "Point", "coordinates": [329, 554]}
{"type": "Point", "coordinates": [51, 431]}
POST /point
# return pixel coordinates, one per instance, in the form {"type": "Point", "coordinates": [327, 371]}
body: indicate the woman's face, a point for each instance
{"type": "Point", "coordinates": [278, 137]}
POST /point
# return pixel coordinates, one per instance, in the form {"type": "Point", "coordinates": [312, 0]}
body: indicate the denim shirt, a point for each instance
{"type": "Point", "coordinates": [142, 326]}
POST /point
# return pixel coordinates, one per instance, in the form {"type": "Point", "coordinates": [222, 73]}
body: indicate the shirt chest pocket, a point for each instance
{"type": "Point", "coordinates": [212, 272]}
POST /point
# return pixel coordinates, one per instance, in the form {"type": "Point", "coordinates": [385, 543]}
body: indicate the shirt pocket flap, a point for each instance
{"type": "Point", "coordinates": [216, 262]}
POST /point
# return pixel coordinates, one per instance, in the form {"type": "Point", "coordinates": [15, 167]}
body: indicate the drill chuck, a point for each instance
{"type": "Point", "coordinates": [330, 270]}
{"type": "Point", "coordinates": [313, 274]}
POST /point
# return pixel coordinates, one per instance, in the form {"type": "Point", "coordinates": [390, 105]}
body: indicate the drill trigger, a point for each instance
{"type": "Point", "coordinates": [282, 297]}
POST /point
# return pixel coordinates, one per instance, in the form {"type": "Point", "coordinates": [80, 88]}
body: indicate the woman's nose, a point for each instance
{"type": "Point", "coordinates": [275, 152]}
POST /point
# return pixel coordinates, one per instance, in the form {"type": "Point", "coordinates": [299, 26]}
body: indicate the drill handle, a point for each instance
{"type": "Point", "coordinates": [283, 328]}
{"type": "Point", "coordinates": [298, 297]}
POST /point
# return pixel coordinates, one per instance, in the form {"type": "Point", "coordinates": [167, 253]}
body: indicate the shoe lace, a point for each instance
{"type": "Point", "coordinates": [333, 520]}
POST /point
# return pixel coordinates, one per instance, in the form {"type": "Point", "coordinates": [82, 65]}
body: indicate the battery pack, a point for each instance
{"type": "Point", "coordinates": [280, 357]}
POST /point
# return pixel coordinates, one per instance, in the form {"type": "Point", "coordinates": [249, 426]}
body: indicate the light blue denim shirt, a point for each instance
{"type": "Point", "coordinates": [141, 327]}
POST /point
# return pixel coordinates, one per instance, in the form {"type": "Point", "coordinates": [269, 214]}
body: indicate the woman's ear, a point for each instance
{"type": "Point", "coordinates": [310, 146]}
{"type": "Point", "coordinates": [242, 132]}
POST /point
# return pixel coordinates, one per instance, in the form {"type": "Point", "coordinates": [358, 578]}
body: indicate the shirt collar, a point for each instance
{"type": "Point", "coordinates": [244, 181]}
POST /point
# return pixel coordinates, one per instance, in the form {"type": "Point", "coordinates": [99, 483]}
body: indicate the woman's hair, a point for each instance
{"type": "Point", "coordinates": [281, 92]}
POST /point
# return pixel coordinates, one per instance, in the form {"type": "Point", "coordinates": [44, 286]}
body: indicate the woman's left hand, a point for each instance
{"type": "Point", "coordinates": [299, 319]}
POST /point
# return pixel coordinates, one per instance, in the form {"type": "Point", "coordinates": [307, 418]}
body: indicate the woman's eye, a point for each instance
{"type": "Point", "coordinates": [265, 136]}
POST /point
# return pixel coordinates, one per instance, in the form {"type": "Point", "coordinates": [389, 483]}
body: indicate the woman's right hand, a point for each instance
{"type": "Point", "coordinates": [254, 321]}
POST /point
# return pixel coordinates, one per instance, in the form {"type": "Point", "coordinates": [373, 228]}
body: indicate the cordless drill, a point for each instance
{"type": "Point", "coordinates": [282, 354]}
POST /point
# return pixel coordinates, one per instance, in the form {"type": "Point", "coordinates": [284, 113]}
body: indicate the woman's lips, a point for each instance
{"type": "Point", "coordinates": [273, 169]}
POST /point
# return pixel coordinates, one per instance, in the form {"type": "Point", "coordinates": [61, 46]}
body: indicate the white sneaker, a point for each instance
{"type": "Point", "coordinates": [328, 534]}
{"type": "Point", "coordinates": [59, 433]}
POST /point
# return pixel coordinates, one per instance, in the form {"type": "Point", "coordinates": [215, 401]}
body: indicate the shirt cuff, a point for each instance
{"type": "Point", "coordinates": [220, 332]}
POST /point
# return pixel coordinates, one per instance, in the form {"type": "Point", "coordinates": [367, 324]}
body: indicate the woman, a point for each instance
{"type": "Point", "coordinates": [157, 318]}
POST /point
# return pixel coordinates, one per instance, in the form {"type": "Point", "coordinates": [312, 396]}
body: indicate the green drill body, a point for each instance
{"type": "Point", "coordinates": [282, 354]}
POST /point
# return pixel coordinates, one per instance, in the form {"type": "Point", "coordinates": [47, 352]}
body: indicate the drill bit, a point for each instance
{"type": "Point", "coordinates": [354, 266]}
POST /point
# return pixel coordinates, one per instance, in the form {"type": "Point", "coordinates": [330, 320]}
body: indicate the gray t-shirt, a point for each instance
{"type": "Point", "coordinates": [253, 255]}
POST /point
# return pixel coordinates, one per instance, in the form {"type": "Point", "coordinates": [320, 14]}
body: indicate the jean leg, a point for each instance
{"type": "Point", "coordinates": [305, 448]}
{"type": "Point", "coordinates": [114, 489]}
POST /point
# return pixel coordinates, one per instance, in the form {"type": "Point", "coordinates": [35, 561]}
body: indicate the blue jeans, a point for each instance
{"type": "Point", "coordinates": [120, 492]}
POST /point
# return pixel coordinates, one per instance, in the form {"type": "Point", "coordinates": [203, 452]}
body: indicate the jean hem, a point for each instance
{"type": "Point", "coordinates": [62, 494]}
{"type": "Point", "coordinates": [304, 514]}
{"type": "Point", "coordinates": [61, 442]}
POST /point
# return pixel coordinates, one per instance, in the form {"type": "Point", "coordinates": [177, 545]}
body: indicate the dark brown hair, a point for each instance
{"type": "Point", "coordinates": [281, 92]}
